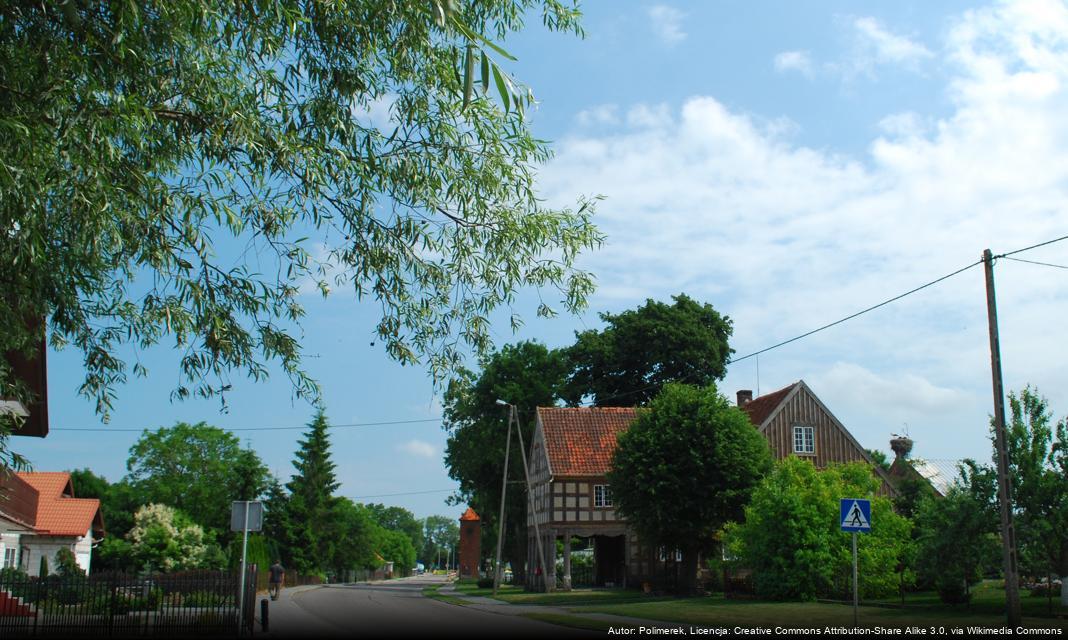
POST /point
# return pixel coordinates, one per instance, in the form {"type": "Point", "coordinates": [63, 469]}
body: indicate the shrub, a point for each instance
{"type": "Point", "coordinates": [953, 591]}
{"type": "Point", "coordinates": [1042, 590]}
{"type": "Point", "coordinates": [206, 599]}
{"type": "Point", "coordinates": [485, 583]}
{"type": "Point", "coordinates": [67, 565]}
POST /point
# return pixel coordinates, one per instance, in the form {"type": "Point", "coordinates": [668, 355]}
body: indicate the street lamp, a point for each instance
{"type": "Point", "coordinates": [513, 417]}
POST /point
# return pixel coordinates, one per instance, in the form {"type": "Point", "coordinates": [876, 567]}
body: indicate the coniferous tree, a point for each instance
{"type": "Point", "coordinates": [311, 500]}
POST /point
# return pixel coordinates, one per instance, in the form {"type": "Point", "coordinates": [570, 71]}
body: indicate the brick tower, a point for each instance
{"type": "Point", "coordinates": [470, 544]}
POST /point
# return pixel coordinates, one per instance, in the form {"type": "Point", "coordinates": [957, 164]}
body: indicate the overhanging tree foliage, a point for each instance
{"type": "Point", "coordinates": [147, 149]}
{"type": "Point", "coordinates": [684, 469]}
{"type": "Point", "coordinates": [631, 359]}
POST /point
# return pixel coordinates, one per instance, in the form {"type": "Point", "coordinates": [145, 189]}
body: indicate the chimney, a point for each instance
{"type": "Point", "coordinates": [902, 446]}
{"type": "Point", "coordinates": [745, 396]}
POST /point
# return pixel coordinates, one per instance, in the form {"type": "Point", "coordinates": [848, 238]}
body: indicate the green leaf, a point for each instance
{"type": "Point", "coordinates": [502, 86]}
{"type": "Point", "coordinates": [485, 73]}
{"type": "Point", "coordinates": [469, 74]}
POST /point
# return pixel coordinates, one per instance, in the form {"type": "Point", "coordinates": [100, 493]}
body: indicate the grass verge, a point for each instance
{"type": "Point", "coordinates": [718, 611]}
{"type": "Point", "coordinates": [434, 594]}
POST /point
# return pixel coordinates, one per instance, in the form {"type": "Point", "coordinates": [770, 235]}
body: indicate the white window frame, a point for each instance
{"type": "Point", "coordinates": [602, 495]}
{"type": "Point", "coordinates": [11, 557]}
{"type": "Point", "coordinates": [804, 439]}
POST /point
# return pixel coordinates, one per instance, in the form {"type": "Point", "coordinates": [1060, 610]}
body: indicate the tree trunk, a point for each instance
{"type": "Point", "coordinates": [688, 572]}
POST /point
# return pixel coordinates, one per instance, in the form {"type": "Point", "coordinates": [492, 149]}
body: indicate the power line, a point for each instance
{"type": "Point", "coordinates": [332, 426]}
{"type": "Point", "coordinates": [861, 312]}
{"type": "Point", "coordinates": [1044, 264]}
{"type": "Point", "coordinates": [406, 493]}
{"type": "Point", "coordinates": [1034, 246]}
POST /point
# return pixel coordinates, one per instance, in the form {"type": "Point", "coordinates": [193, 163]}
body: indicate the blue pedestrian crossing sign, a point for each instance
{"type": "Point", "coordinates": [855, 515]}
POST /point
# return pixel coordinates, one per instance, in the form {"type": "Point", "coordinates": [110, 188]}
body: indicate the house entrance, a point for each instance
{"type": "Point", "coordinates": [609, 561]}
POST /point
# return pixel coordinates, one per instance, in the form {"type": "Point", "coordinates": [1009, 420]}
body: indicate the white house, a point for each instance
{"type": "Point", "coordinates": [39, 515]}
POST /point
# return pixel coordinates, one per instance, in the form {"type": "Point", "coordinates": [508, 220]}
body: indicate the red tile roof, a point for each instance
{"type": "Point", "coordinates": [469, 515]}
{"type": "Point", "coordinates": [760, 408]}
{"type": "Point", "coordinates": [580, 440]}
{"type": "Point", "coordinates": [59, 513]}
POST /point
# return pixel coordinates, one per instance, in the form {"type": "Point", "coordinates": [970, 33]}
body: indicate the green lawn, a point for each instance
{"type": "Point", "coordinates": [433, 593]}
{"type": "Point", "coordinates": [987, 598]}
{"type": "Point", "coordinates": [718, 611]}
{"type": "Point", "coordinates": [576, 597]}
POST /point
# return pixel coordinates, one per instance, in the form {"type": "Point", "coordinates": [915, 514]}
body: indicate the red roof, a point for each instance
{"type": "Point", "coordinates": [760, 408]}
{"type": "Point", "coordinates": [469, 515]}
{"type": "Point", "coordinates": [580, 440]}
{"type": "Point", "coordinates": [59, 513]}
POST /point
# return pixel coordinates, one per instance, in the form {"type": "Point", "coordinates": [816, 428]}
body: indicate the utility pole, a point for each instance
{"type": "Point", "coordinates": [1008, 533]}
{"type": "Point", "coordinates": [549, 586]}
{"type": "Point", "coordinates": [500, 520]}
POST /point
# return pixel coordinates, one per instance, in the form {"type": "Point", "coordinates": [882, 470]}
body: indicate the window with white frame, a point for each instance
{"type": "Point", "coordinates": [804, 439]}
{"type": "Point", "coordinates": [10, 556]}
{"type": "Point", "coordinates": [602, 495]}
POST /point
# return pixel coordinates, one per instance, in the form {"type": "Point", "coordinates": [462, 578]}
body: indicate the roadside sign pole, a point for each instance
{"type": "Point", "coordinates": [854, 516]}
{"type": "Point", "coordinates": [856, 591]}
{"type": "Point", "coordinates": [244, 572]}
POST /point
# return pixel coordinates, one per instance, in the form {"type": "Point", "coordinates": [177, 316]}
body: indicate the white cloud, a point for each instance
{"type": "Point", "coordinates": [667, 23]}
{"type": "Point", "coordinates": [888, 47]}
{"type": "Point", "coordinates": [418, 448]}
{"type": "Point", "coordinates": [602, 114]}
{"type": "Point", "coordinates": [908, 124]}
{"type": "Point", "coordinates": [784, 238]}
{"type": "Point", "coordinates": [799, 61]}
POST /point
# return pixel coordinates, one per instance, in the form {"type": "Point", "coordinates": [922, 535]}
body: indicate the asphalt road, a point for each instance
{"type": "Point", "coordinates": [395, 609]}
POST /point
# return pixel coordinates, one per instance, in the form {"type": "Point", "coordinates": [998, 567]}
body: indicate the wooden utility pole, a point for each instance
{"type": "Point", "coordinates": [1008, 533]}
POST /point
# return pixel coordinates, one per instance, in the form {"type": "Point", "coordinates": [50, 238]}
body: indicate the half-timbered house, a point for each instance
{"type": "Point", "coordinates": [571, 455]}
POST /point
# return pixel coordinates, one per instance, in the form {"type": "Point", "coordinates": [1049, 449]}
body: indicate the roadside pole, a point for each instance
{"type": "Point", "coordinates": [856, 590]}
{"type": "Point", "coordinates": [244, 572]}
{"type": "Point", "coordinates": [1008, 532]}
{"type": "Point", "coordinates": [245, 516]}
{"type": "Point", "coordinates": [549, 586]}
{"type": "Point", "coordinates": [854, 516]}
{"type": "Point", "coordinates": [504, 493]}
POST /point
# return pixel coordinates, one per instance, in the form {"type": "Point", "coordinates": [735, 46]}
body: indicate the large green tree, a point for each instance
{"type": "Point", "coordinates": [311, 505]}
{"type": "Point", "coordinates": [395, 518]}
{"type": "Point", "coordinates": [684, 469]}
{"type": "Point", "coordinates": [358, 536]}
{"type": "Point", "coordinates": [792, 541]}
{"type": "Point", "coordinates": [639, 351]}
{"type": "Point", "coordinates": [197, 468]}
{"type": "Point", "coordinates": [528, 375]}
{"type": "Point", "coordinates": [149, 148]}
{"type": "Point", "coordinates": [1038, 463]}
{"type": "Point", "coordinates": [957, 535]}
{"type": "Point", "coordinates": [440, 534]}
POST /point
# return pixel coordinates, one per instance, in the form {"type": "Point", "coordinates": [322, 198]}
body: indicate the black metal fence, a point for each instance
{"type": "Point", "coordinates": [183, 604]}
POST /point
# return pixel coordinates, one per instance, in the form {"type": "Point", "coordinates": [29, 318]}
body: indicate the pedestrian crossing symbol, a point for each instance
{"type": "Point", "coordinates": [855, 515]}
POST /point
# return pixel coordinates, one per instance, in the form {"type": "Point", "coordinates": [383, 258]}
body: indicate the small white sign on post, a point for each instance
{"type": "Point", "coordinates": [245, 516]}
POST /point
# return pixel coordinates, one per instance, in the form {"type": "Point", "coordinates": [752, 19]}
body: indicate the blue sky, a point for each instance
{"type": "Point", "coordinates": [790, 163]}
